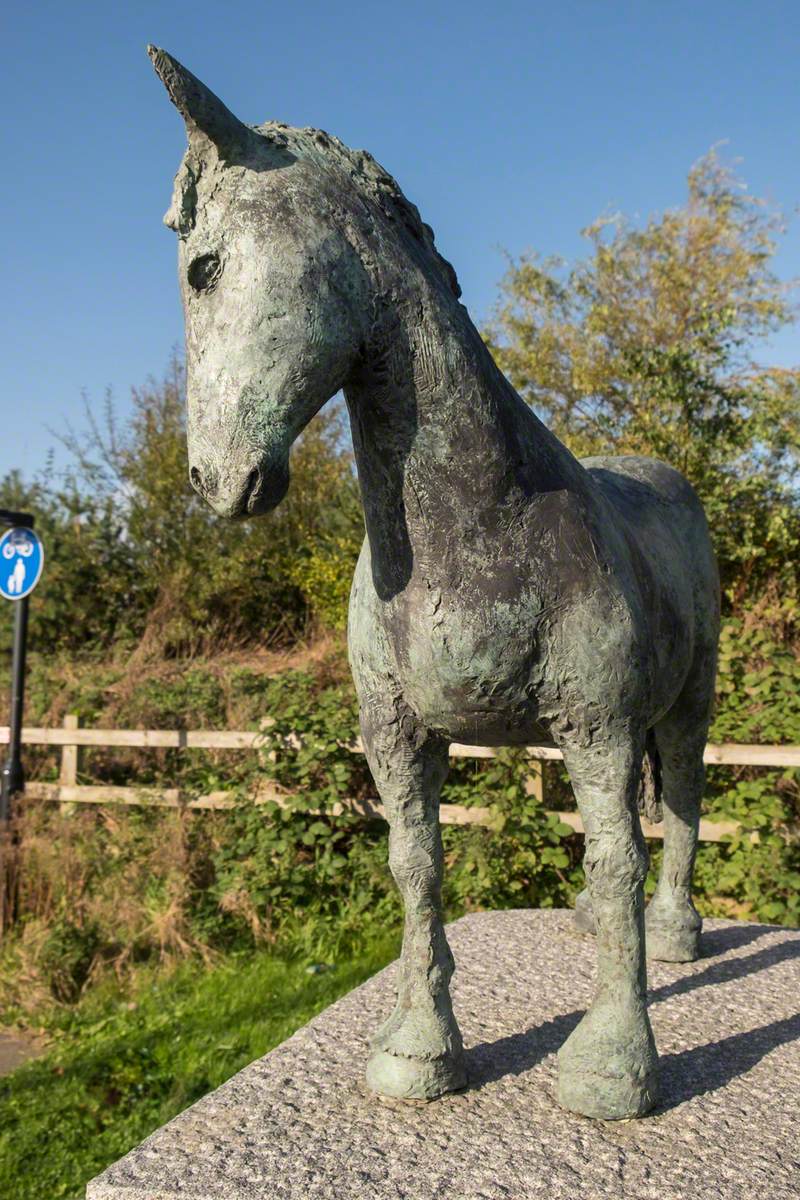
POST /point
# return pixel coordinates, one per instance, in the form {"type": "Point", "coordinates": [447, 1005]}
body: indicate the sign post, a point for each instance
{"type": "Point", "coordinates": [21, 562]}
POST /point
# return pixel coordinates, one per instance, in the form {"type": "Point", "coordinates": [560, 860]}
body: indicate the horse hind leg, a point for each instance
{"type": "Point", "coordinates": [673, 924]}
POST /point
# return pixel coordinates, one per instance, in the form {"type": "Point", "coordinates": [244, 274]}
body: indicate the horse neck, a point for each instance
{"type": "Point", "coordinates": [438, 432]}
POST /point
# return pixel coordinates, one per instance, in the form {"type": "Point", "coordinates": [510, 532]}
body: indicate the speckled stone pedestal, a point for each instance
{"type": "Point", "coordinates": [299, 1124]}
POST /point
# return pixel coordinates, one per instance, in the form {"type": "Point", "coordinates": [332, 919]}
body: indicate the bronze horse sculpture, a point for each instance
{"type": "Point", "coordinates": [506, 593]}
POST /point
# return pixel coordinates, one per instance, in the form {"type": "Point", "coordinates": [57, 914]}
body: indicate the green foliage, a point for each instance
{"type": "Point", "coordinates": [67, 955]}
{"type": "Point", "coordinates": [524, 859]}
{"type": "Point", "coordinates": [126, 1061]}
{"type": "Point", "coordinates": [195, 697]}
{"type": "Point", "coordinates": [758, 700]}
{"type": "Point", "coordinates": [281, 861]}
{"type": "Point", "coordinates": [647, 347]}
{"type": "Point", "coordinates": [89, 585]}
{"type": "Point", "coordinates": [324, 572]}
{"type": "Point", "coordinates": [758, 678]}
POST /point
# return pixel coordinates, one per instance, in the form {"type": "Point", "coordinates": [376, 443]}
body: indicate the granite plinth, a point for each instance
{"type": "Point", "coordinates": [299, 1123]}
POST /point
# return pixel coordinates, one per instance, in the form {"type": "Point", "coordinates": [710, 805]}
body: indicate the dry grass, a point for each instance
{"type": "Point", "coordinates": [95, 890]}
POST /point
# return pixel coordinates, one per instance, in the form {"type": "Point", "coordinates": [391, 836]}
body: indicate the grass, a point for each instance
{"type": "Point", "coordinates": [122, 1065]}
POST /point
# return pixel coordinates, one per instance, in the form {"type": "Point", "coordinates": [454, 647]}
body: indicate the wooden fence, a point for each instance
{"type": "Point", "coordinates": [70, 737]}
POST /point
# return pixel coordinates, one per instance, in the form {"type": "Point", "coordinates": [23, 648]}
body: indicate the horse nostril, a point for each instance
{"type": "Point", "coordinates": [204, 480]}
{"type": "Point", "coordinates": [252, 487]}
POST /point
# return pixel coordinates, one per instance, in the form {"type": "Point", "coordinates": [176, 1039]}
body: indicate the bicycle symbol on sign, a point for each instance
{"type": "Point", "coordinates": [21, 545]}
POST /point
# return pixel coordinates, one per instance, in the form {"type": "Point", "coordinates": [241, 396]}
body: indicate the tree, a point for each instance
{"type": "Point", "coordinates": [647, 347]}
{"type": "Point", "coordinates": [133, 551]}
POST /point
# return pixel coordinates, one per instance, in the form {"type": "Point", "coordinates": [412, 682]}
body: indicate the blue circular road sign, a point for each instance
{"type": "Point", "coordinates": [21, 562]}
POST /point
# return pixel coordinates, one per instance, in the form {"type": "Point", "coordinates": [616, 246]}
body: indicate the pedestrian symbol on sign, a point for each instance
{"type": "Point", "coordinates": [21, 562]}
{"type": "Point", "coordinates": [17, 577]}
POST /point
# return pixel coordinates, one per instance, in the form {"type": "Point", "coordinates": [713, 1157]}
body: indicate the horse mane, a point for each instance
{"type": "Point", "coordinates": [372, 180]}
{"type": "Point", "coordinates": [376, 186]}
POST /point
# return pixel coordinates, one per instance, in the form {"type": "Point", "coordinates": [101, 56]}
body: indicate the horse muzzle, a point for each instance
{"type": "Point", "coordinates": [239, 496]}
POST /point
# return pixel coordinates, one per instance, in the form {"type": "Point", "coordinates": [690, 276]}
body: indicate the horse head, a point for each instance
{"type": "Point", "coordinates": [275, 293]}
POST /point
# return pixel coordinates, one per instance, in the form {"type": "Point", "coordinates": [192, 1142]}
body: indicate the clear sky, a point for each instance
{"type": "Point", "coordinates": [510, 124]}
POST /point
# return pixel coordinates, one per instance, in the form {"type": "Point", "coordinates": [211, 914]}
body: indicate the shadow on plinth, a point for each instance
{"type": "Point", "coordinates": [687, 1074]}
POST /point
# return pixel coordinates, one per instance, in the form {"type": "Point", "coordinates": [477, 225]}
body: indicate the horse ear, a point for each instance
{"type": "Point", "coordinates": [203, 112]}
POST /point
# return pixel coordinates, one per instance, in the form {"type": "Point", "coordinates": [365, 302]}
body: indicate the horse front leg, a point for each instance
{"type": "Point", "coordinates": [608, 1067]}
{"type": "Point", "coordinates": [418, 1053]}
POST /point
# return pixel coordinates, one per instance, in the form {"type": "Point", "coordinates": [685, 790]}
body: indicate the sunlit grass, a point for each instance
{"type": "Point", "coordinates": [122, 1065]}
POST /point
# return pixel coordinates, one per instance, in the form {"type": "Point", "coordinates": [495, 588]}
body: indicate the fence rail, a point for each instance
{"type": "Point", "coordinates": [70, 737]}
{"type": "Point", "coordinates": [720, 754]}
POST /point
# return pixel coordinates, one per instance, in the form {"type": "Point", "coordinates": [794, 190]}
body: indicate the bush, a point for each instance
{"type": "Point", "coordinates": [758, 700]}
{"type": "Point", "coordinates": [102, 890]}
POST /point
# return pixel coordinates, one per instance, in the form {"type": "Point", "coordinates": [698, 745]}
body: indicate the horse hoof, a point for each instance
{"type": "Point", "coordinates": [414, 1078]}
{"type": "Point", "coordinates": [672, 936]}
{"type": "Point", "coordinates": [672, 945]}
{"type": "Point", "coordinates": [608, 1066]}
{"type": "Point", "coordinates": [607, 1096]}
{"type": "Point", "coordinates": [583, 917]}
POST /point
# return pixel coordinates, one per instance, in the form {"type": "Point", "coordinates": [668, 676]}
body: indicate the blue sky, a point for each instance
{"type": "Point", "coordinates": [509, 124]}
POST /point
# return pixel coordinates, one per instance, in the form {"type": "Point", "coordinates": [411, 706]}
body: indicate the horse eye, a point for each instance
{"type": "Point", "coordinates": [204, 272]}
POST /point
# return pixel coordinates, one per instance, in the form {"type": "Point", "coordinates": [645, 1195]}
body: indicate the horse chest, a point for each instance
{"type": "Point", "coordinates": [468, 661]}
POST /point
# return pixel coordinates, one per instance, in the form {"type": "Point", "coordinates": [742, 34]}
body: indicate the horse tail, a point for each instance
{"type": "Point", "coordinates": [650, 790]}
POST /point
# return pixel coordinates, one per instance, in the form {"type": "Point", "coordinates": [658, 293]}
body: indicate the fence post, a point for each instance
{"type": "Point", "coordinates": [534, 784]}
{"type": "Point", "coordinates": [68, 776]}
